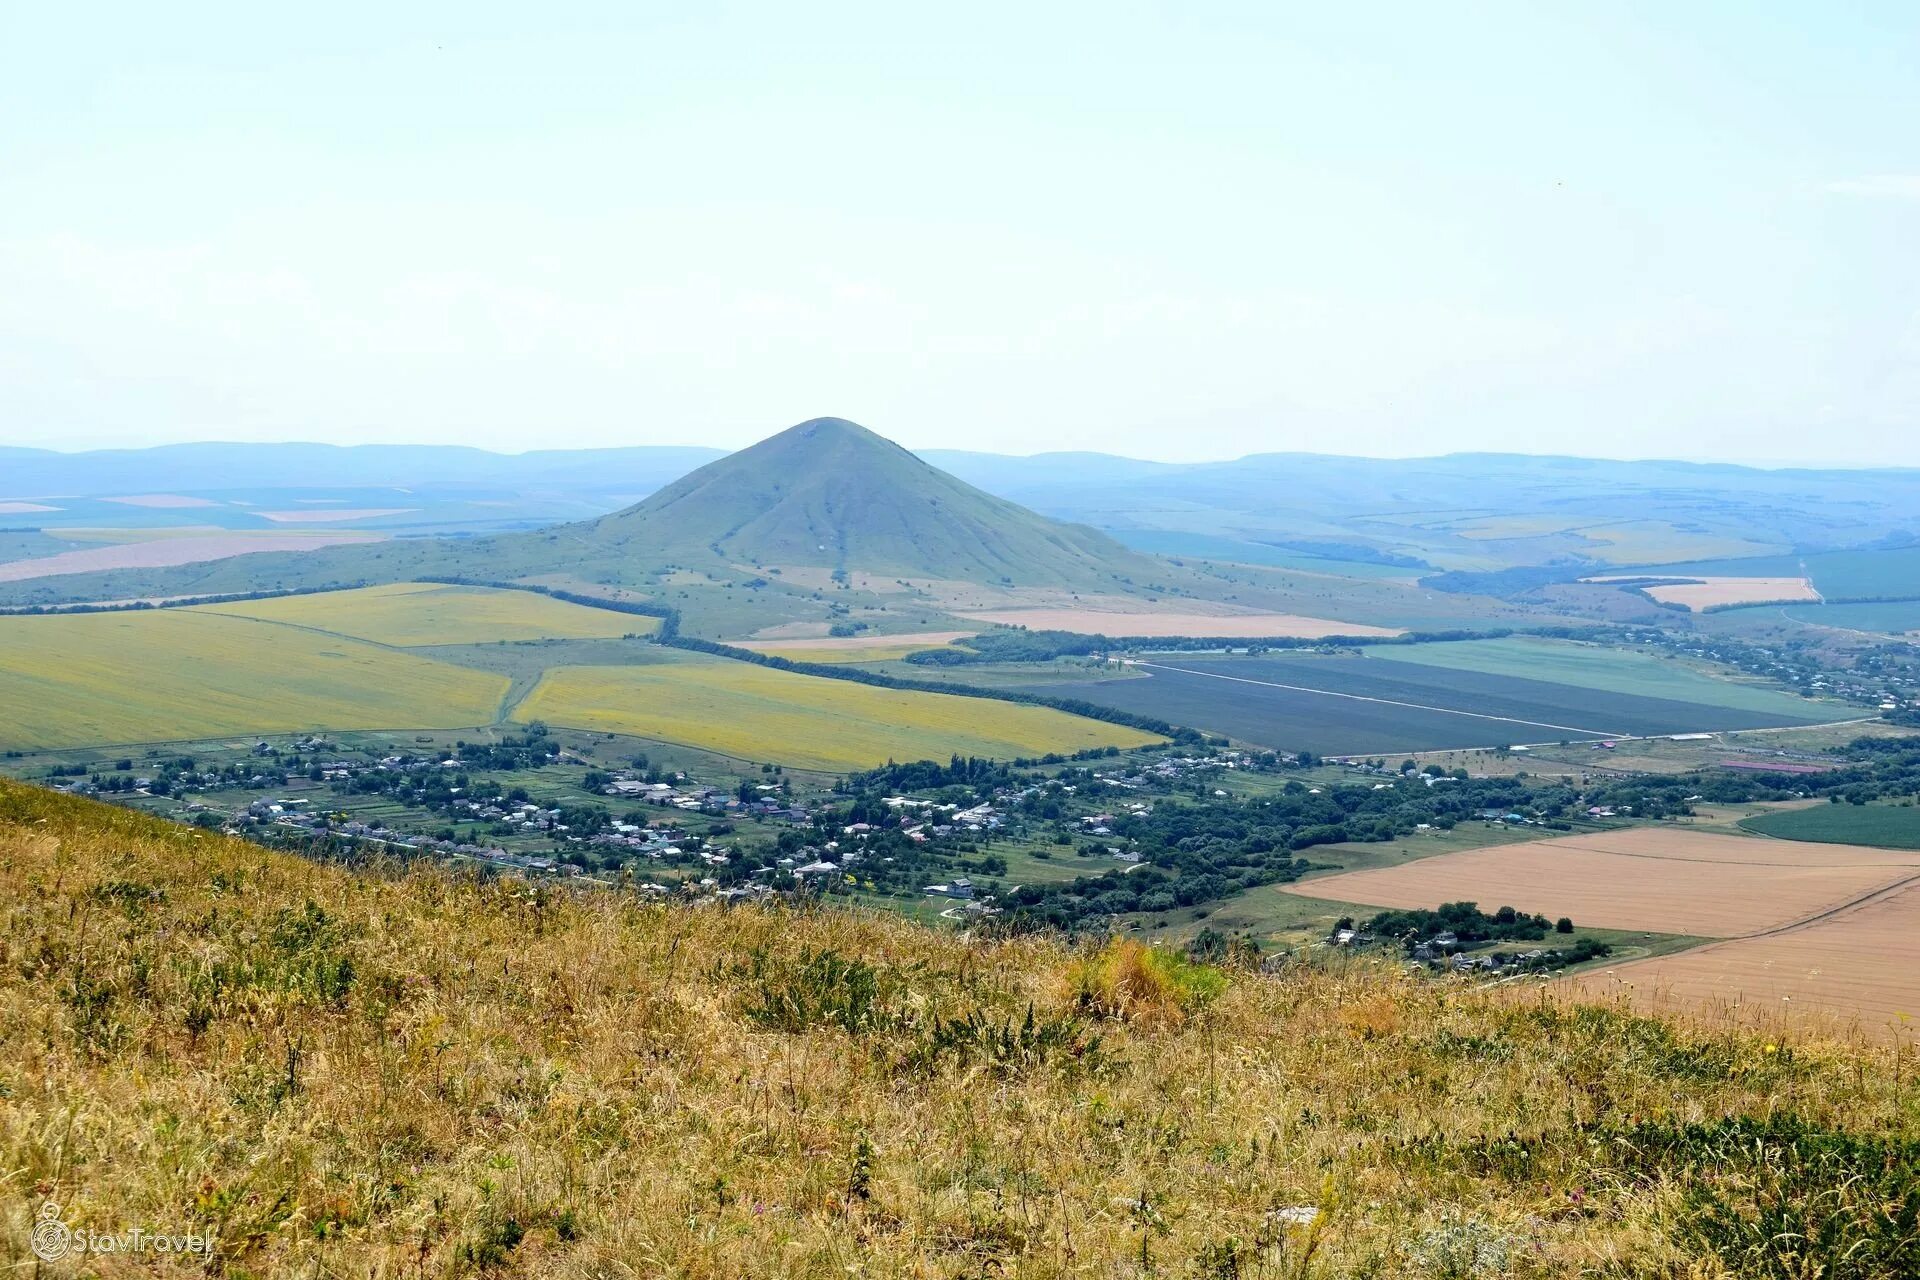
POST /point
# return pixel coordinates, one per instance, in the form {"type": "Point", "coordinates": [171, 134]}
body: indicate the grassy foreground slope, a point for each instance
{"type": "Point", "coordinates": [372, 1072]}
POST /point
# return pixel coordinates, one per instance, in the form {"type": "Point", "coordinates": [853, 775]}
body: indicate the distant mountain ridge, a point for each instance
{"type": "Point", "coordinates": [214, 466]}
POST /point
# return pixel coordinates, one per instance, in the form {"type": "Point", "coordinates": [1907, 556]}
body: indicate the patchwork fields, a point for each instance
{"type": "Point", "coordinates": [410, 614]}
{"type": "Point", "coordinates": [761, 714]}
{"type": "Point", "coordinates": [432, 656]}
{"type": "Point", "coordinates": [170, 675]}
{"type": "Point", "coordinates": [1431, 697]}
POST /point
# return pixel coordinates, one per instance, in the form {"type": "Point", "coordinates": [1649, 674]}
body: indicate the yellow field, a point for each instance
{"type": "Point", "coordinates": [173, 674]}
{"type": "Point", "coordinates": [761, 714]}
{"type": "Point", "coordinates": [422, 613]}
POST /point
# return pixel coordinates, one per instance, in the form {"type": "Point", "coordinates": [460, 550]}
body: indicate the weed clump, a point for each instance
{"type": "Point", "coordinates": [1151, 985]}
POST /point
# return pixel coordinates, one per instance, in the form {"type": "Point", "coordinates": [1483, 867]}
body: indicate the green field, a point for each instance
{"type": "Point", "coordinates": [761, 714]}
{"type": "Point", "coordinates": [1893, 617]}
{"type": "Point", "coordinates": [173, 674]}
{"type": "Point", "coordinates": [1589, 666]}
{"type": "Point", "coordinates": [424, 613]}
{"type": "Point", "coordinates": [1886, 826]}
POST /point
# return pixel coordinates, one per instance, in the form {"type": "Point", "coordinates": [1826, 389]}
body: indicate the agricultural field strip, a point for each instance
{"type": "Point", "coordinates": [1896, 859]}
{"type": "Point", "coordinates": [411, 615]}
{"type": "Point", "coordinates": [1865, 899]}
{"type": "Point", "coordinates": [1835, 964]}
{"type": "Point", "coordinates": [1791, 885]}
{"type": "Point", "coordinates": [754, 713]}
{"type": "Point", "coordinates": [1391, 702]}
{"type": "Point", "coordinates": [1770, 931]}
{"type": "Point", "coordinates": [64, 681]}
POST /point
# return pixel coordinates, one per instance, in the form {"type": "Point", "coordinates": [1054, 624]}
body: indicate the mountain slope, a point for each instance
{"type": "Point", "coordinates": [414, 1072]}
{"type": "Point", "coordinates": [831, 494]}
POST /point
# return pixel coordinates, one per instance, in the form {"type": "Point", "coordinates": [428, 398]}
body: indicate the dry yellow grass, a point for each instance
{"type": "Point", "coordinates": [757, 713]}
{"type": "Point", "coordinates": [378, 1074]}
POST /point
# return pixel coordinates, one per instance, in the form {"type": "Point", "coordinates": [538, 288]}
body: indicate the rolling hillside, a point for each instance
{"type": "Point", "coordinates": [385, 1071]}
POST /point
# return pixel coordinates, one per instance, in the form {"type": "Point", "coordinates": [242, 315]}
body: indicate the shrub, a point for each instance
{"type": "Point", "coordinates": [1147, 984]}
{"type": "Point", "coordinates": [820, 988]}
{"type": "Point", "coordinates": [1781, 1199]}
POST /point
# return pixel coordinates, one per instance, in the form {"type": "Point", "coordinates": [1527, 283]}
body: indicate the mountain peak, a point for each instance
{"type": "Point", "coordinates": [830, 493]}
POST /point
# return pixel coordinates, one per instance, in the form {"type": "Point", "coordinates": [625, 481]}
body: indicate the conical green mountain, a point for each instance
{"type": "Point", "coordinates": [831, 494]}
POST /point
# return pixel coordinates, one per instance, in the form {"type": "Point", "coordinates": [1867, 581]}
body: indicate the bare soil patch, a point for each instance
{"type": "Point", "coordinates": [170, 551]}
{"type": "Point", "coordinates": [1657, 879]}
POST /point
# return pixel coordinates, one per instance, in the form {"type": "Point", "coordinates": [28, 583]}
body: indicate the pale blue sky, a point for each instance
{"type": "Point", "coordinates": [1180, 231]}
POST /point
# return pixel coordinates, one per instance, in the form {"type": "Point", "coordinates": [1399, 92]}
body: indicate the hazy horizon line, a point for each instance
{"type": "Point", "coordinates": [1755, 464]}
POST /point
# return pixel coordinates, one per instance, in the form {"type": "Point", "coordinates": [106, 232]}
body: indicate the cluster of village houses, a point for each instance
{"type": "Point", "coordinates": [1442, 951]}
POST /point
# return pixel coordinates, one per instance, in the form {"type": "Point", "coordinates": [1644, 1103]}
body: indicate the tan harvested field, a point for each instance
{"type": "Point", "coordinates": [162, 501]}
{"type": "Point", "coordinates": [1657, 879]}
{"type": "Point", "coordinates": [1860, 963]}
{"type": "Point", "coordinates": [1249, 625]}
{"type": "Point", "coordinates": [1713, 591]}
{"type": "Point", "coordinates": [1705, 593]}
{"type": "Point", "coordinates": [328, 515]}
{"type": "Point", "coordinates": [162, 552]}
{"type": "Point", "coordinates": [854, 648]}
